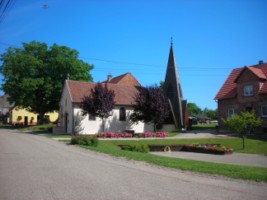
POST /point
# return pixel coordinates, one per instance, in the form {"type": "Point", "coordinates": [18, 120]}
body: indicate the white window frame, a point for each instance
{"type": "Point", "coordinates": [248, 90]}
{"type": "Point", "coordinates": [264, 110]}
{"type": "Point", "coordinates": [231, 112]}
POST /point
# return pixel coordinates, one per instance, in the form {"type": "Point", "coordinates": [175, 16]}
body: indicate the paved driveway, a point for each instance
{"type": "Point", "coordinates": [34, 167]}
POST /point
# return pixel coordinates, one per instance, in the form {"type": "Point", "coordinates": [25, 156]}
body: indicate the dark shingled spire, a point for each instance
{"type": "Point", "coordinates": [173, 90]}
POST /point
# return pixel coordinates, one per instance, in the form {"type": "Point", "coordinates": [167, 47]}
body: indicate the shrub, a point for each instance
{"type": "Point", "coordinates": [243, 124]}
{"type": "Point", "coordinates": [161, 134]}
{"type": "Point", "coordinates": [147, 134]}
{"type": "Point", "coordinates": [143, 148]}
{"type": "Point", "coordinates": [88, 140]}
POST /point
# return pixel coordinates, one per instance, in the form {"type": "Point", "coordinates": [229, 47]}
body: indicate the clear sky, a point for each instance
{"type": "Point", "coordinates": [210, 37]}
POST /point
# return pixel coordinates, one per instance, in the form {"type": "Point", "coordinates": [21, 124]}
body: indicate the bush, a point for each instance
{"type": "Point", "coordinates": [143, 148]}
{"type": "Point", "coordinates": [87, 140]}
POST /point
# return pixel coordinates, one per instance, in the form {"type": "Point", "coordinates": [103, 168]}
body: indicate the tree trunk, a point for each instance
{"type": "Point", "coordinates": [41, 118]}
{"type": "Point", "coordinates": [103, 125]}
{"type": "Point", "coordinates": [155, 127]}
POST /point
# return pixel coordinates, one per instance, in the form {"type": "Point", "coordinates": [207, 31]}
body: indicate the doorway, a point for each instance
{"type": "Point", "coordinates": [66, 122]}
{"type": "Point", "coordinates": [26, 120]}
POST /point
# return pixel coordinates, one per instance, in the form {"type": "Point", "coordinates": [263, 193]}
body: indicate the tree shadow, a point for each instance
{"type": "Point", "coordinates": [113, 124]}
{"type": "Point", "coordinates": [78, 128]}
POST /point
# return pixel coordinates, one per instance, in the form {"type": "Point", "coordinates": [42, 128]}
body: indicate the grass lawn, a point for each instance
{"type": "Point", "coordinates": [233, 171]}
{"type": "Point", "coordinates": [204, 126]}
{"type": "Point", "coordinates": [44, 128]}
{"type": "Point", "coordinates": [253, 146]}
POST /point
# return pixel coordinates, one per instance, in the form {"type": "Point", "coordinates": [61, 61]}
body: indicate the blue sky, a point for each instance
{"type": "Point", "coordinates": [210, 37]}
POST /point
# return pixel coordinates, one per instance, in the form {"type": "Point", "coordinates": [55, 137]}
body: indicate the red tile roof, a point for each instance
{"type": "Point", "coordinates": [125, 79]}
{"type": "Point", "coordinates": [124, 95]}
{"type": "Point", "coordinates": [256, 71]}
{"type": "Point", "coordinates": [228, 90]}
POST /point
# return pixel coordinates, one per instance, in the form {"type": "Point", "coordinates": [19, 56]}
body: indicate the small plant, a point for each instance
{"type": "Point", "coordinates": [87, 140]}
{"type": "Point", "coordinates": [147, 134]}
{"type": "Point", "coordinates": [243, 124]}
{"type": "Point", "coordinates": [158, 134]}
{"type": "Point", "coordinates": [143, 148]}
{"type": "Point", "coordinates": [161, 134]}
{"type": "Point", "coordinates": [208, 148]}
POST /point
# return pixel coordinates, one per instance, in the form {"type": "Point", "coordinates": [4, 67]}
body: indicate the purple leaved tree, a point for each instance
{"type": "Point", "coordinates": [151, 106]}
{"type": "Point", "coordinates": [99, 102]}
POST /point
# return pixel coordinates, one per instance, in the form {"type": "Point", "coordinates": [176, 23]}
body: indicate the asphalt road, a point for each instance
{"type": "Point", "coordinates": [33, 167]}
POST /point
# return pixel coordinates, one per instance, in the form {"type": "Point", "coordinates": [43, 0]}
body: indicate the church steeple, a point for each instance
{"type": "Point", "coordinates": [173, 90]}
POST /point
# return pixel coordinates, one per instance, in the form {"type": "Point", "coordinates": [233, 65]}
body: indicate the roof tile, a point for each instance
{"type": "Point", "coordinates": [124, 94]}
{"type": "Point", "coordinates": [125, 79]}
{"type": "Point", "coordinates": [228, 90]}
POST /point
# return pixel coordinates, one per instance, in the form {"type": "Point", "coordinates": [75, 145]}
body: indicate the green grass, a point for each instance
{"type": "Point", "coordinates": [174, 133]}
{"type": "Point", "coordinates": [44, 128]}
{"type": "Point", "coordinates": [66, 136]}
{"type": "Point", "coordinates": [203, 126]}
{"type": "Point", "coordinates": [233, 171]}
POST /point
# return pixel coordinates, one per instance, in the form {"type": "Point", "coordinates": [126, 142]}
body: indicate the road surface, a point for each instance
{"type": "Point", "coordinates": [33, 167]}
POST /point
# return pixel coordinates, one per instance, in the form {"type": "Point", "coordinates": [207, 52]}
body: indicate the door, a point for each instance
{"type": "Point", "coordinates": [26, 120]}
{"type": "Point", "coordinates": [66, 122]}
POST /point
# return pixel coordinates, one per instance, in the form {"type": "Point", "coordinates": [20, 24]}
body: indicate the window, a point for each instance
{"type": "Point", "coordinates": [248, 90]}
{"type": "Point", "coordinates": [231, 112]}
{"type": "Point", "coordinates": [122, 114]}
{"type": "Point", "coordinates": [92, 117]}
{"type": "Point", "coordinates": [264, 111]}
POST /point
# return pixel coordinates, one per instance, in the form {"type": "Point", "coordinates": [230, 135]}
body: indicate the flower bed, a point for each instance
{"type": "Point", "coordinates": [130, 135]}
{"type": "Point", "coordinates": [158, 134]}
{"type": "Point", "coordinates": [207, 148]}
{"type": "Point", "coordinates": [114, 135]}
{"type": "Point", "coordinates": [197, 148]}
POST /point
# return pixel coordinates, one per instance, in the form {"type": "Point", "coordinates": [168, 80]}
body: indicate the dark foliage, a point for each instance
{"type": "Point", "coordinates": [151, 106]}
{"type": "Point", "coordinates": [99, 102]}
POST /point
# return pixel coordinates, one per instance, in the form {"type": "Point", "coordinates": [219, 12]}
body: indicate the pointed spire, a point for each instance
{"type": "Point", "coordinates": [173, 89]}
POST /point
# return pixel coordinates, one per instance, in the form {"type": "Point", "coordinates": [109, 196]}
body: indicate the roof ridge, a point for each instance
{"type": "Point", "coordinates": [228, 88]}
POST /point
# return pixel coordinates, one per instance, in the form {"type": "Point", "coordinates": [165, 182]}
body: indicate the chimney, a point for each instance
{"type": "Point", "coordinates": [260, 62]}
{"type": "Point", "coordinates": [109, 77]}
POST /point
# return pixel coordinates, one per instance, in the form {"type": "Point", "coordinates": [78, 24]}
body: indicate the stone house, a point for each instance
{"type": "Point", "coordinates": [244, 90]}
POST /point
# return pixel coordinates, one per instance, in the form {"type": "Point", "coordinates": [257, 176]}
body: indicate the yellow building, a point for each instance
{"type": "Point", "coordinates": [20, 116]}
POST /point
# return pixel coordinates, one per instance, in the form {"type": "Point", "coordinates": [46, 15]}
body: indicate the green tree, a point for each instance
{"type": "Point", "coordinates": [193, 109]}
{"type": "Point", "coordinates": [99, 102]}
{"type": "Point", "coordinates": [243, 124]}
{"type": "Point", "coordinates": [34, 75]}
{"type": "Point", "coordinates": [212, 114]}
